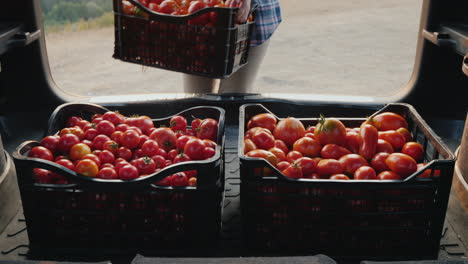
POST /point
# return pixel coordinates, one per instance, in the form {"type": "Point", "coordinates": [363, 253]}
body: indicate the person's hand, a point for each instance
{"type": "Point", "coordinates": [244, 9]}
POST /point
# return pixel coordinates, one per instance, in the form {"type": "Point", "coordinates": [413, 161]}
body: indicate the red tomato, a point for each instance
{"type": "Point", "coordinates": [267, 155]}
{"type": "Point", "coordinates": [281, 145]}
{"type": "Point", "coordinates": [143, 139]}
{"type": "Point", "coordinates": [181, 158]}
{"type": "Point", "coordinates": [406, 133]}
{"type": "Point", "coordinates": [307, 146]}
{"type": "Point", "coordinates": [195, 149]}
{"type": "Point", "coordinates": [352, 141]}
{"type": "Point", "coordinates": [93, 158]}
{"type": "Point", "coordinates": [266, 120]}
{"type": "Point", "coordinates": [172, 154]}
{"type": "Point", "coordinates": [250, 132]}
{"type": "Point", "coordinates": [263, 140]}
{"type": "Point", "coordinates": [87, 167]}
{"type": "Point", "coordinates": [90, 134]}
{"type": "Point", "coordinates": [116, 136]}
{"type": "Point", "coordinates": [391, 136]}
{"type": "Point", "coordinates": [150, 148]}
{"type": "Point", "coordinates": [120, 164]}
{"type": "Point", "coordinates": [105, 127]}
{"type": "Point", "coordinates": [78, 132]}
{"type": "Point", "coordinates": [401, 164]}
{"type": "Point", "coordinates": [192, 181]}
{"type": "Point", "coordinates": [249, 145]}
{"type": "Point", "coordinates": [289, 130]}
{"type": "Point", "coordinates": [330, 131]}
{"type": "Point", "coordinates": [107, 165]}
{"type": "Point", "coordinates": [85, 124]}
{"type": "Point", "coordinates": [111, 146]}
{"type": "Point", "coordinates": [168, 7]}
{"type": "Point", "coordinates": [51, 143]}
{"type": "Point", "coordinates": [368, 137]}
{"type": "Point", "coordinates": [73, 120]}
{"type": "Point", "coordinates": [137, 153]}
{"type": "Point", "coordinates": [339, 177]}
{"type": "Point", "coordinates": [280, 155]}
{"type": "Point", "coordinates": [351, 162]}
{"type": "Point", "coordinates": [66, 163]}
{"type": "Point", "coordinates": [208, 153]}
{"type": "Point", "coordinates": [328, 167]}
{"type": "Point", "coordinates": [162, 152]}
{"type": "Point", "coordinates": [41, 153]}
{"type": "Point", "coordinates": [124, 153]}
{"type": "Point", "coordinates": [165, 137]}
{"type": "Point", "coordinates": [384, 146]}
{"type": "Point", "coordinates": [130, 139]}
{"type": "Point", "coordinates": [378, 162]}
{"type": "Point", "coordinates": [77, 151]}
{"type": "Point", "coordinates": [208, 129]}
{"type": "Point", "coordinates": [128, 172]}
{"type": "Point", "coordinates": [144, 124]}
{"type": "Point", "coordinates": [145, 165]}
{"type": "Point", "coordinates": [42, 176]}
{"type": "Point", "coordinates": [182, 140]}
{"type": "Point", "coordinates": [365, 173]}
{"type": "Point", "coordinates": [293, 155]}
{"type": "Point", "coordinates": [388, 121]}
{"type": "Point", "coordinates": [106, 157]}
{"type": "Point", "coordinates": [333, 151]}
{"type": "Point", "coordinates": [282, 165]}
{"type": "Point", "coordinates": [294, 171]}
{"type": "Point", "coordinates": [414, 150]}
{"type": "Point", "coordinates": [178, 123]}
{"type": "Point", "coordinates": [388, 175]}
{"type": "Point", "coordinates": [67, 141]}
{"type": "Point", "coordinates": [107, 173]}
{"type": "Point", "coordinates": [310, 135]}
{"type": "Point", "coordinates": [196, 123]}
{"type": "Point", "coordinates": [179, 180]}
{"type": "Point", "coordinates": [164, 181]}
{"type": "Point", "coordinates": [308, 165]}
{"type": "Point", "coordinates": [114, 117]}
{"type": "Point", "coordinates": [209, 143]}
{"type": "Point", "coordinates": [160, 161]}
{"type": "Point", "coordinates": [99, 140]}
{"type": "Point", "coordinates": [201, 19]}
{"type": "Point", "coordinates": [427, 172]}
{"type": "Point", "coordinates": [122, 127]}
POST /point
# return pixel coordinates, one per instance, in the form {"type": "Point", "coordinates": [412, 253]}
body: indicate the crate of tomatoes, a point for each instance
{"type": "Point", "coordinates": [197, 37]}
{"type": "Point", "coordinates": [351, 188]}
{"type": "Point", "coordinates": [103, 182]}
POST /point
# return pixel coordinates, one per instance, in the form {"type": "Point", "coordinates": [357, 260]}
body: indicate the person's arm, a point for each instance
{"type": "Point", "coordinates": [244, 9]}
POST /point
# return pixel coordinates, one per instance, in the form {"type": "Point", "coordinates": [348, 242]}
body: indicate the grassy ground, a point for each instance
{"type": "Point", "coordinates": [106, 20]}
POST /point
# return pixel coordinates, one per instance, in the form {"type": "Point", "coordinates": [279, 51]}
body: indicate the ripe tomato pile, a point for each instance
{"type": "Point", "coordinates": [180, 8]}
{"type": "Point", "coordinates": [113, 146]}
{"type": "Point", "coordinates": [380, 149]}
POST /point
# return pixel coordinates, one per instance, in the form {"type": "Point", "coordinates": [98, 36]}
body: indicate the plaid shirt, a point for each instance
{"type": "Point", "coordinates": [267, 19]}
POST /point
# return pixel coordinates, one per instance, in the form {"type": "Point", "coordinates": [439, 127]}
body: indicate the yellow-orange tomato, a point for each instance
{"type": "Point", "coordinates": [79, 150]}
{"type": "Point", "coordinates": [87, 167]}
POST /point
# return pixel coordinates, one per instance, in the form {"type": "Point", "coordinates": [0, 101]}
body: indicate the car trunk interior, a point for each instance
{"type": "Point", "coordinates": [438, 89]}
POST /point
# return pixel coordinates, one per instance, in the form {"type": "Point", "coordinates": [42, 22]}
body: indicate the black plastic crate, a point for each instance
{"type": "Point", "coordinates": [170, 42]}
{"type": "Point", "coordinates": [346, 219]}
{"type": "Point", "coordinates": [94, 216]}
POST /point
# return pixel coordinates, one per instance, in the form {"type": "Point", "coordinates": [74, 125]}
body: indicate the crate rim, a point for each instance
{"type": "Point", "coordinates": [18, 156]}
{"type": "Point", "coordinates": [173, 18]}
{"type": "Point", "coordinates": [256, 162]}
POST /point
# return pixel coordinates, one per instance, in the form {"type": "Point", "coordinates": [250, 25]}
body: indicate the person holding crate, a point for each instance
{"type": "Point", "coordinates": [267, 19]}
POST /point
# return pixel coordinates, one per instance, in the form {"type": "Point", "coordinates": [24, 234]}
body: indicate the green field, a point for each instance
{"type": "Point", "coordinates": [72, 15]}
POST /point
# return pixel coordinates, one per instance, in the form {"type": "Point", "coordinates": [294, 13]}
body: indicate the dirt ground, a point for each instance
{"type": "Point", "coordinates": [359, 47]}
